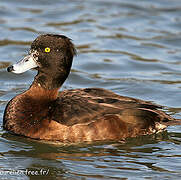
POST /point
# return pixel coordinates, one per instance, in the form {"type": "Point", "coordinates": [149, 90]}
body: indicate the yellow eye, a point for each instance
{"type": "Point", "coordinates": [47, 49]}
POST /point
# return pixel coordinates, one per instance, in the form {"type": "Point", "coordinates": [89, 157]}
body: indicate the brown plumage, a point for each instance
{"type": "Point", "coordinates": [77, 115]}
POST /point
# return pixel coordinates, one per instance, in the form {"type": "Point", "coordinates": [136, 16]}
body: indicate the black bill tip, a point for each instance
{"type": "Point", "coordinates": [10, 68]}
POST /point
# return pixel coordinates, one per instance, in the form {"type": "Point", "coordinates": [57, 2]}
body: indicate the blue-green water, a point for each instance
{"type": "Point", "coordinates": [132, 47]}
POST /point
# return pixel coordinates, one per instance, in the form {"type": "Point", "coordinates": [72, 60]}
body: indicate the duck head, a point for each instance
{"type": "Point", "coordinates": [52, 56]}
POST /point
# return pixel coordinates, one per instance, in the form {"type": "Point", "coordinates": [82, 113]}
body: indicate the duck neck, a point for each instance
{"type": "Point", "coordinates": [40, 94]}
{"type": "Point", "coordinates": [50, 80]}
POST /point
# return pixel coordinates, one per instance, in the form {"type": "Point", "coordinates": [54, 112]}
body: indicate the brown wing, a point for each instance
{"type": "Point", "coordinates": [90, 104]}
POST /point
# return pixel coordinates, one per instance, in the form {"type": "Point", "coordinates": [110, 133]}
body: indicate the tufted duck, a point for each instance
{"type": "Point", "coordinates": [77, 115]}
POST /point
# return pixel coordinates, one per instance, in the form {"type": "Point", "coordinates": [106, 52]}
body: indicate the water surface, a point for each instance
{"type": "Point", "coordinates": [132, 47]}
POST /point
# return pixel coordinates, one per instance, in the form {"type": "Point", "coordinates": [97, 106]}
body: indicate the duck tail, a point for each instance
{"type": "Point", "coordinates": [173, 122]}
